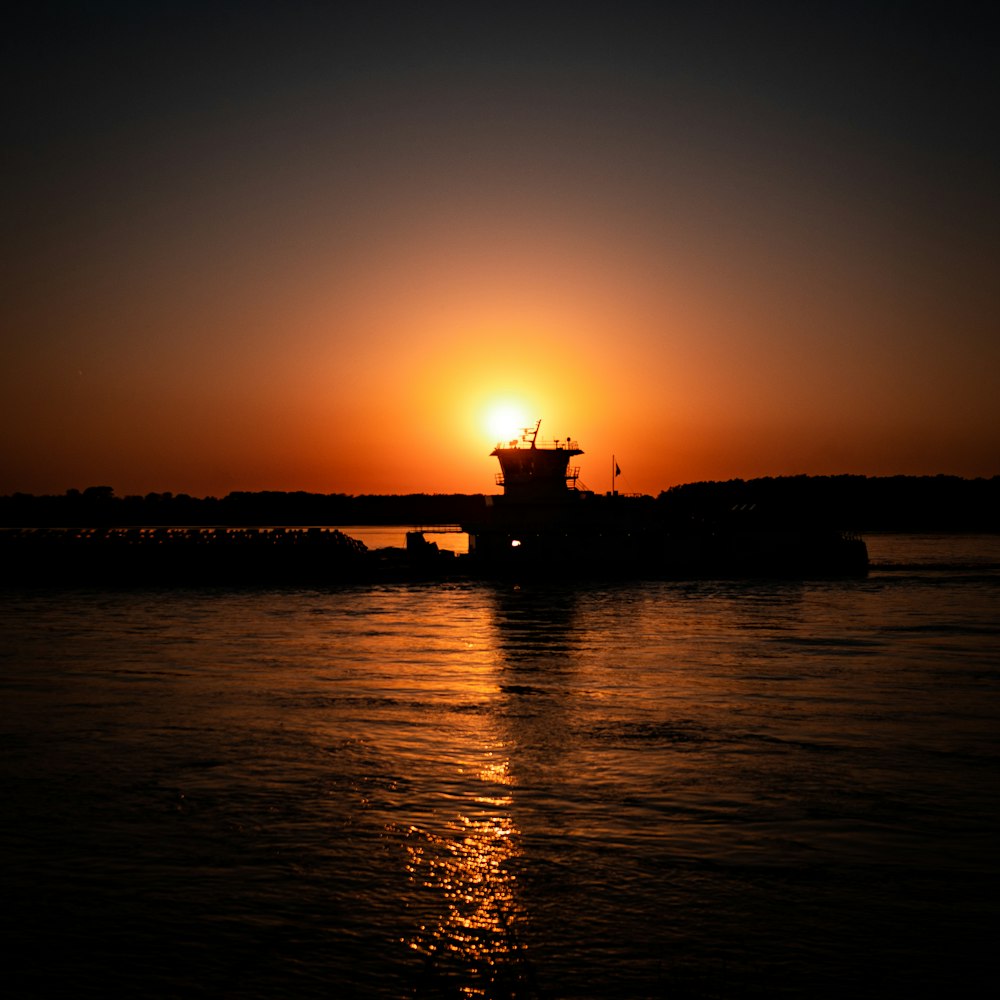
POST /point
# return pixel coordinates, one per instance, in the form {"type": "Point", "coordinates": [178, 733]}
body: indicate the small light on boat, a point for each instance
{"type": "Point", "coordinates": [515, 543]}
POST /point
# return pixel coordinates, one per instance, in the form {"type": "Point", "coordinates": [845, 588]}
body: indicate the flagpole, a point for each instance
{"type": "Point", "coordinates": [614, 465]}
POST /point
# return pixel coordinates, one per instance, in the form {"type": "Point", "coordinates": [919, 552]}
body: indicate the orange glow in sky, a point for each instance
{"type": "Point", "coordinates": [506, 420]}
{"type": "Point", "coordinates": [398, 241]}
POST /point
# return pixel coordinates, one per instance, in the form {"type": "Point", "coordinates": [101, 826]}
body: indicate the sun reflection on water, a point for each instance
{"type": "Point", "coordinates": [497, 772]}
{"type": "Point", "coordinates": [473, 946]}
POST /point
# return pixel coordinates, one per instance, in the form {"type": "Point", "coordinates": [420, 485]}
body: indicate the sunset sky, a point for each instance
{"type": "Point", "coordinates": [317, 246]}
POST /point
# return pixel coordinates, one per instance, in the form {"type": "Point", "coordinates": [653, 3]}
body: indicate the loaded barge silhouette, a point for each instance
{"type": "Point", "coordinates": [545, 524]}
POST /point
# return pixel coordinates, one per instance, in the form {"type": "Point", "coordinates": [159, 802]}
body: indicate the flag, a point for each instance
{"type": "Point", "coordinates": [618, 471]}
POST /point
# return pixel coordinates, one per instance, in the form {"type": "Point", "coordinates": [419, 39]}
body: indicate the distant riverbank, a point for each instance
{"type": "Point", "coordinates": [859, 503]}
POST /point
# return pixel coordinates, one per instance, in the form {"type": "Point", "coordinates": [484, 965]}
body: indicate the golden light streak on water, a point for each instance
{"type": "Point", "coordinates": [474, 942]}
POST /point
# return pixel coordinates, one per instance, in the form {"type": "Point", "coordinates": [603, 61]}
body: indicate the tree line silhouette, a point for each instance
{"type": "Point", "coordinates": [861, 503]}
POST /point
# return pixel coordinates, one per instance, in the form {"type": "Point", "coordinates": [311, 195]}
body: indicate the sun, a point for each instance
{"type": "Point", "coordinates": [505, 420]}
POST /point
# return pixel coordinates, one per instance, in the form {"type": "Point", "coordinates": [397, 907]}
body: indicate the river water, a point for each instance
{"type": "Point", "coordinates": [705, 789]}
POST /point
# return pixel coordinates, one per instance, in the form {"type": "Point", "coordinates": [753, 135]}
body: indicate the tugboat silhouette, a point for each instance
{"type": "Point", "coordinates": [546, 523]}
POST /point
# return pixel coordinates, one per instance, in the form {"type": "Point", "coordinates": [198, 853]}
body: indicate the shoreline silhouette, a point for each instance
{"type": "Point", "coordinates": [792, 527]}
{"type": "Point", "coordinates": [859, 503]}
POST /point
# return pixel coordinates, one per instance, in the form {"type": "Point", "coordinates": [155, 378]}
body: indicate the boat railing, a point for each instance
{"type": "Point", "coordinates": [572, 478]}
{"type": "Point", "coordinates": [565, 444]}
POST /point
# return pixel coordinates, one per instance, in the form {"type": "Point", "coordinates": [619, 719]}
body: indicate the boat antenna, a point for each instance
{"type": "Point", "coordinates": [533, 433]}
